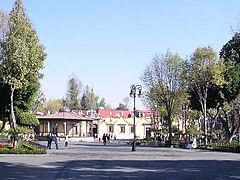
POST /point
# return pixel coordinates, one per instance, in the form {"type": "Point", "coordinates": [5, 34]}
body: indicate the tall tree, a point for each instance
{"type": "Point", "coordinates": [231, 54]}
{"type": "Point", "coordinates": [205, 70]}
{"type": "Point", "coordinates": [122, 106]}
{"type": "Point", "coordinates": [88, 101]}
{"type": "Point", "coordinates": [230, 91]}
{"type": "Point", "coordinates": [4, 102]}
{"type": "Point", "coordinates": [163, 81]}
{"type": "Point", "coordinates": [101, 103]}
{"type": "Point", "coordinates": [73, 93]}
{"type": "Point", "coordinates": [52, 106]}
{"type": "Point", "coordinates": [3, 24]}
{"type": "Point", "coordinates": [38, 102]}
{"type": "Point", "coordinates": [22, 55]}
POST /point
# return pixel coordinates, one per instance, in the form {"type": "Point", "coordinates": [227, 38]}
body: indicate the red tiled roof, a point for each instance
{"type": "Point", "coordinates": [104, 113]}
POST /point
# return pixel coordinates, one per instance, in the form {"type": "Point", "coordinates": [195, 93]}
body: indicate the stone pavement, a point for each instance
{"type": "Point", "coordinates": [116, 161]}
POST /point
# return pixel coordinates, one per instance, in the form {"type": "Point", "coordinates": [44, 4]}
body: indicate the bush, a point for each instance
{"type": "Point", "coordinates": [231, 147]}
{"type": "Point", "coordinates": [26, 119]}
{"type": "Point", "coordinates": [22, 149]}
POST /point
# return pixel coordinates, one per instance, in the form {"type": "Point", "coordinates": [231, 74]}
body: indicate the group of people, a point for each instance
{"type": "Point", "coordinates": [54, 137]}
{"type": "Point", "coordinates": [106, 138]}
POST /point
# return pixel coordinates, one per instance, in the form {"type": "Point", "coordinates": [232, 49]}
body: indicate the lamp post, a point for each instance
{"type": "Point", "coordinates": [135, 90]}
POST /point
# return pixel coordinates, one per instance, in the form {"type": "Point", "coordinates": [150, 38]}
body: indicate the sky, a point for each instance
{"type": "Point", "coordinates": [107, 44]}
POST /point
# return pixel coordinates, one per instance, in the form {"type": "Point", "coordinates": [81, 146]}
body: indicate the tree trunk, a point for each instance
{"type": "Point", "coordinates": [12, 118]}
{"type": "Point", "coordinates": [170, 128]}
{"type": "Point", "coordinates": [225, 126]}
{"type": "Point", "coordinates": [205, 120]}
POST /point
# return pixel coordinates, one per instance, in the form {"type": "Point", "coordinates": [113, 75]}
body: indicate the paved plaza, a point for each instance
{"type": "Point", "coordinates": [116, 161]}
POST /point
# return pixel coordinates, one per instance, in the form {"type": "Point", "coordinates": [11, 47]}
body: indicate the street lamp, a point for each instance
{"type": "Point", "coordinates": [135, 90]}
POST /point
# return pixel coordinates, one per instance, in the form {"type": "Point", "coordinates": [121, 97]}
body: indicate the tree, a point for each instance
{"type": "Point", "coordinates": [88, 101]}
{"type": "Point", "coordinates": [4, 102]}
{"type": "Point", "coordinates": [230, 51]}
{"type": "Point", "coordinates": [39, 102]}
{"type": "Point", "coordinates": [231, 54]}
{"type": "Point", "coordinates": [204, 71]}
{"type": "Point", "coordinates": [52, 106]}
{"type": "Point", "coordinates": [3, 25]}
{"type": "Point", "coordinates": [102, 103]}
{"type": "Point", "coordinates": [122, 107]}
{"type": "Point", "coordinates": [22, 55]}
{"type": "Point", "coordinates": [4, 106]}
{"type": "Point", "coordinates": [163, 81]}
{"type": "Point", "coordinates": [230, 91]}
{"type": "Point", "coordinates": [73, 93]}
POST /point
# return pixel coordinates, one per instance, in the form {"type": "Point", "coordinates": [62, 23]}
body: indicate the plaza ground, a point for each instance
{"type": "Point", "coordinates": [116, 161]}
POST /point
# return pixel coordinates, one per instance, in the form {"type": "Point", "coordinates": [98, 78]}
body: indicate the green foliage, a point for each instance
{"type": "Point", "coordinates": [102, 103]}
{"type": "Point", "coordinates": [228, 93]}
{"type": "Point", "coordinates": [226, 147]}
{"type": "Point", "coordinates": [164, 83]}
{"type": "Point", "coordinates": [122, 107]}
{"type": "Point", "coordinates": [19, 131]}
{"type": "Point", "coordinates": [27, 119]}
{"type": "Point", "coordinates": [204, 70]}
{"type": "Point", "coordinates": [51, 106]}
{"type": "Point", "coordinates": [22, 54]}
{"type": "Point", "coordinates": [88, 101]}
{"type": "Point", "coordinates": [231, 54]}
{"type": "Point", "coordinates": [176, 130]}
{"type": "Point", "coordinates": [3, 24]}
{"type": "Point", "coordinates": [230, 51]}
{"type": "Point", "coordinates": [22, 58]}
{"type": "Point", "coordinates": [73, 93]}
{"type": "Point", "coordinates": [22, 149]}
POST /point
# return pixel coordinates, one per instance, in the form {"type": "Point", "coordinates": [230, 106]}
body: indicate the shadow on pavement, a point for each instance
{"type": "Point", "coordinates": [124, 169]}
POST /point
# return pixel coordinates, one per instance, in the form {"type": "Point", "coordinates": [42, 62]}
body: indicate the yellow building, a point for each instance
{"type": "Point", "coordinates": [119, 124]}
{"type": "Point", "coordinates": [79, 124]}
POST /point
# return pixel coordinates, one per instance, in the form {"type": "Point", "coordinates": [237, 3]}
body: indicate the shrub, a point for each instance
{"type": "Point", "coordinates": [27, 119]}
{"type": "Point", "coordinates": [22, 149]}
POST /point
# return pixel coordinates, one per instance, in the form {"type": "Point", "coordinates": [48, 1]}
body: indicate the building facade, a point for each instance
{"type": "Point", "coordinates": [65, 123]}
{"type": "Point", "coordinates": [116, 123]}
{"type": "Point", "coordinates": [119, 124]}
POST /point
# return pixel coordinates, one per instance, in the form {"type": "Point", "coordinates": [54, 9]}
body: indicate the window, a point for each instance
{"type": "Point", "coordinates": [122, 129]}
{"type": "Point", "coordinates": [131, 130]}
{"type": "Point", "coordinates": [110, 129]}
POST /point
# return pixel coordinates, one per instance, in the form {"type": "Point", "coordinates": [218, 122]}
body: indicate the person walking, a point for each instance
{"type": "Point", "coordinates": [56, 139]}
{"type": "Point", "coordinates": [49, 141]}
{"type": "Point", "coordinates": [66, 140]}
{"type": "Point", "coordinates": [104, 138]}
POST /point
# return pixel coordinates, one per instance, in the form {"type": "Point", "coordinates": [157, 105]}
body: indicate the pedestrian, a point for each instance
{"type": "Point", "coordinates": [56, 139]}
{"type": "Point", "coordinates": [49, 141]}
{"type": "Point", "coordinates": [104, 138]}
{"type": "Point", "coordinates": [66, 140]}
{"type": "Point", "coordinates": [108, 138]}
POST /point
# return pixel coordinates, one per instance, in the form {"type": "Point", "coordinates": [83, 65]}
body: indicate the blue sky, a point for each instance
{"type": "Point", "coordinates": [108, 43]}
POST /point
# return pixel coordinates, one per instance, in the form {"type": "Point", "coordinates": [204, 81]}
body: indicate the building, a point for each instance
{"type": "Point", "coordinates": [119, 123]}
{"type": "Point", "coordinates": [78, 123]}
{"type": "Point", "coordinates": [62, 123]}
